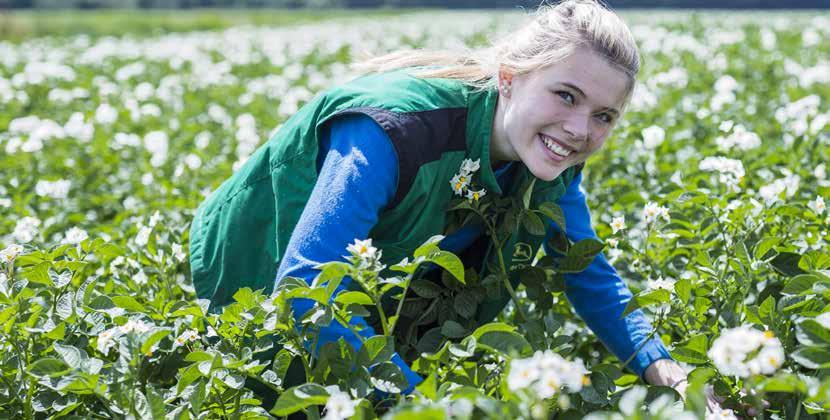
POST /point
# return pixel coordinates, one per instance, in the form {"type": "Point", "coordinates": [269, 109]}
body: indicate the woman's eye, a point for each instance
{"type": "Point", "coordinates": [605, 118]}
{"type": "Point", "coordinates": [566, 96]}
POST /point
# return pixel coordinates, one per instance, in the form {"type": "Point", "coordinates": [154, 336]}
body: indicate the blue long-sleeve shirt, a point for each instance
{"type": "Point", "coordinates": [358, 174]}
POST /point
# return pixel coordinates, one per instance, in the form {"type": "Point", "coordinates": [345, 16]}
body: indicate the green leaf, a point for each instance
{"type": "Point", "coordinates": [142, 406]}
{"type": "Point", "coordinates": [492, 327]}
{"type": "Point", "coordinates": [528, 192]}
{"type": "Point", "coordinates": [533, 223]}
{"type": "Point", "coordinates": [49, 366]}
{"type": "Point", "coordinates": [128, 303]}
{"type": "Point", "coordinates": [428, 247]}
{"type": "Point", "coordinates": [281, 363]}
{"type": "Point", "coordinates": [377, 349]}
{"type": "Point", "coordinates": [38, 273]}
{"type": "Point", "coordinates": [245, 297]}
{"type": "Point", "coordinates": [694, 351]}
{"type": "Point", "coordinates": [349, 298]}
{"type": "Point", "coordinates": [586, 248]}
{"type": "Point", "coordinates": [812, 333]}
{"type": "Point", "coordinates": [683, 289]}
{"type": "Point", "coordinates": [425, 288]}
{"type": "Point", "coordinates": [814, 260]}
{"type": "Point", "coordinates": [554, 212]}
{"type": "Point", "coordinates": [784, 382]}
{"type": "Point", "coordinates": [331, 272]}
{"type": "Point", "coordinates": [154, 338]}
{"type": "Point", "coordinates": [449, 262]}
{"type": "Point", "coordinates": [786, 263]}
{"type": "Point", "coordinates": [812, 357]}
{"type": "Point", "coordinates": [108, 250]}
{"type": "Point", "coordinates": [187, 376]}
{"type": "Point", "coordinates": [801, 284]}
{"type": "Point", "coordinates": [198, 356]}
{"type": "Point", "coordinates": [465, 304]}
{"type": "Point", "coordinates": [234, 380]}
{"type": "Point", "coordinates": [767, 310]}
{"type": "Point", "coordinates": [387, 377]}
{"type": "Point", "coordinates": [197, 397]}
{"type": "Point", "coordinates": [300, 397]}
{"type": "Point", "coordinates": [765, 245]}
{"type": "Point", "coordinates": [70, 354]}
{"type": "Point", "coordinates": [653, 297]}
{"type": "Point", "coordinates": [429, 387]}
{"type": "Point", "coordinates": [453, 329]}
{"type": "Point", "coordinates": [504, 343]}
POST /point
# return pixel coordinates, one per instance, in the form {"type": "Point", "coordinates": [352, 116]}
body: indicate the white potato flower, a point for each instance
{"type": "Point", "coordinates": [75, 235]}
{"type": "Point", "coordinates": [362, 249]}
{"type": "Point", "coordinates": [653, 136]}
{"type": "Point", "coordinates": [53, 189]}
{"type": "Point", "coordinates": [459, 183]}
{"type": "Point", "coordinates": [26, 229]}
{"type": "Point", "coordinates": [660, 283]}
{"type": "Point", "coordinates": [745, 351]}
{"type": "Point", "coordinates": [546, 373]}
{"type": "Point", "coordinates": [817, 206]}
{"type": "Point", "coordinates": [652, 211]}
{"type": "Point", "coordinates": [136, 326]}
{"type": "Point", "coordinates": [143, 236]}
{"type": "Point", "coordinates": [178, 252]}
{"type": "Point", "coordinates": [475, 195]}
{"type": "Point", "coordinates": [107, 339]}
{"type": "Point", "coordinates": [339, 405]}
{"type": "Point", "coordinates": [618, 224]}
{"type": "Point", "coordinates": [185, 337]}
{"type": "Point", "coordinates": [11, 252]}
{"type": "Point", "coordinates": [468, 166]}
{"type": "Point", "coordinates": [367, 256]}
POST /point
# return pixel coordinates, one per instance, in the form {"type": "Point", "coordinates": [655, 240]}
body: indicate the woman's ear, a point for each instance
{"type": "Point", "coordinates": [505, 83]}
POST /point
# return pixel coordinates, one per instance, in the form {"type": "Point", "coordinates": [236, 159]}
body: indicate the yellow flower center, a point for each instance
{"type": "Point", "coordinates": [768, 334]}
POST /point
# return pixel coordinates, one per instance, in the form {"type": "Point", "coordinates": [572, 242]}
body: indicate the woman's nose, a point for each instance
{"type": "Point", "coordinates": [577, 126]}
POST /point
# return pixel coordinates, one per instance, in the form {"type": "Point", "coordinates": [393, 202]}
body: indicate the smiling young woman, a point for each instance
{"type": "Point", "coordinates": [372, 159]}
{"type": "Point", "coordinates": [557, 116]}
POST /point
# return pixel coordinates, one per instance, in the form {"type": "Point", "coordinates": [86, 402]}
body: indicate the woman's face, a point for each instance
{"type": "Point", "coordinates": [559, 115]}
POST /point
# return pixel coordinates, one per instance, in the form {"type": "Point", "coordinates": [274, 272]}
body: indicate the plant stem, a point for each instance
{"type": "Point", "coordinates": [798, 410]}
{"type": "Point", "coordinates": [221, 402]}
{"type": "Point", "coordinates": [505, 278]}
{"type": "Point", "coordinates": [350, 327]}
{"type": "Point", "coordinates": [384, 323]}
{"type": "Point", "coordinates": [400, 305]}
{"type": "Point", "coordinates": [271, 386]}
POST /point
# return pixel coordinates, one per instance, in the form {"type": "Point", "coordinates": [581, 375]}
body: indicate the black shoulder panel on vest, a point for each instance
{"type": "Point", "coordinates": [419, 138]}
{"type": "Point", "coordinates": [578, 169]}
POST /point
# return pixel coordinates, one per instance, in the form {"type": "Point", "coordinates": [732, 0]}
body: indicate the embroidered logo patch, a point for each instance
{"type": "Point", "coordinates": [522, 252]}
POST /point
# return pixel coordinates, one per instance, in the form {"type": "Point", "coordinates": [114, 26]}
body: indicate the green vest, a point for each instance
{"type": "Point", "coordinates": [240, 233]}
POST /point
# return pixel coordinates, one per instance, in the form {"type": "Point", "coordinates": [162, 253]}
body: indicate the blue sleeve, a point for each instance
{"type": "Point", "coordinates": [358, 174]}
{"type": "Point", "coordinates": [599, 295]}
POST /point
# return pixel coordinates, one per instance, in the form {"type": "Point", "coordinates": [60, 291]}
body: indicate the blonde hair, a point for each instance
{"type": "Point", "coordinates": [552, 35]}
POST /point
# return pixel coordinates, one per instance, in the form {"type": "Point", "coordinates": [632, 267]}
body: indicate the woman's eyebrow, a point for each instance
{"type": "Point", "coordinates": [582, 94]}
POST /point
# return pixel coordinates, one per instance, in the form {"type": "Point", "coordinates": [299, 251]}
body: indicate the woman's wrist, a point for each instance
{"type": "Point", "coordinates": [665, 372]}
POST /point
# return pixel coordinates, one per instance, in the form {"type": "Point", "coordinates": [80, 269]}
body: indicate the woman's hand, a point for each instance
{"type": "Point", "coordinates": [667, 372]}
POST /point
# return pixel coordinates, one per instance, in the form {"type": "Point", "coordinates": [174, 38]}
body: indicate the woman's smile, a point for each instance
{"type": "Point", "coordinates": [554, 149]}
